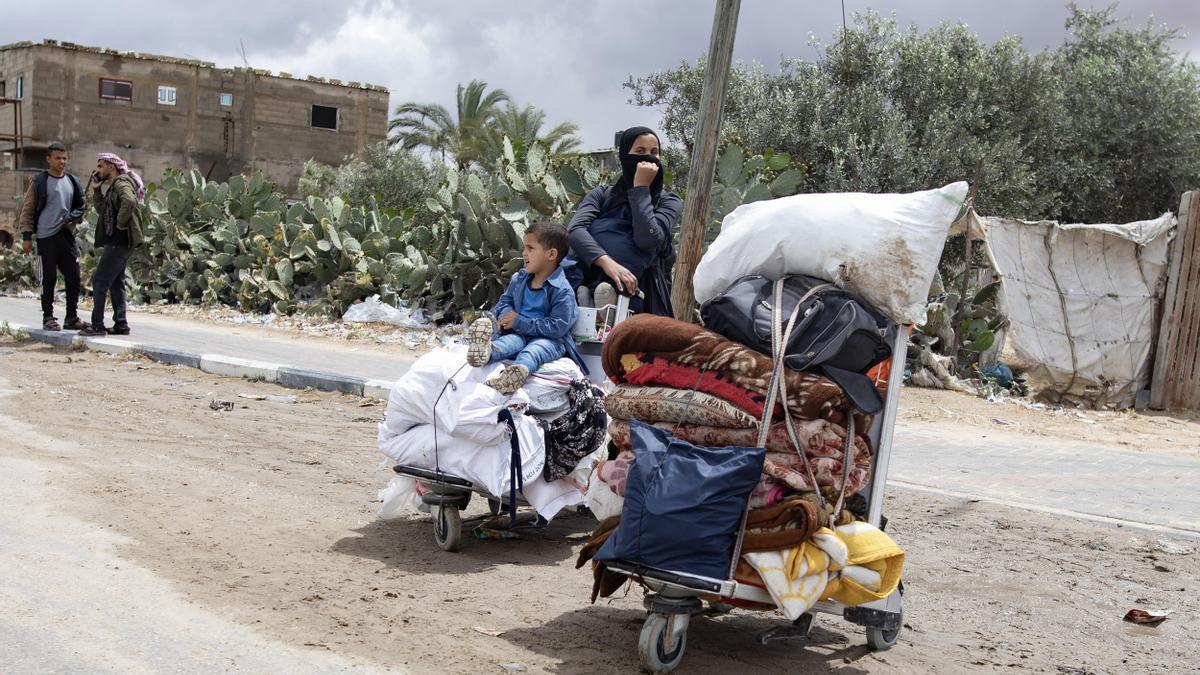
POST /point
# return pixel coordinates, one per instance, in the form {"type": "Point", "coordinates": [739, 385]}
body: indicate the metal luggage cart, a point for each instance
{"type": "Point", "coordinates": [591, 347]}
{"type": "Point", "coordinates": [673, 598]}
{"type": "Point", "coordinates": [447, 497]}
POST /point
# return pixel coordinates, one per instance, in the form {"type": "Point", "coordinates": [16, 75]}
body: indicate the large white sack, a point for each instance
{"type": "Point", "coordinates": [882, 247]}
{"type": "Point", "coordinates": [467, 408]}
{"type": "Point", "coordinates": [485, 465]}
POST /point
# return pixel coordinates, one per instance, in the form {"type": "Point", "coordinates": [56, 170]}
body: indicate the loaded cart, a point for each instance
{"type": "Point", "coordinates": [673, 598]}
{"type": "Point", "coordinates": [755, 450]}
{"type": "Point", "coordinates": [450, 436]}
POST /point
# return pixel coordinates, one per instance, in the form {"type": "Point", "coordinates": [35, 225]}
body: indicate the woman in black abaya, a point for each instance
{"type": "Point", "coordinates": [622, 236]}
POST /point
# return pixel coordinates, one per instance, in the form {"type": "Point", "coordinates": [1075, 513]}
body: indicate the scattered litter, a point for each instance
{"type": "Point", "coordinates": [289, 398]}
{"type": "Point", "coordinates": [6, 352]}
{"type": "Point", "coordinates": [373, 310]}
{"type": "Point", "coordinates": [368, 401]}
{"type": "Point", "coordinates": [1001, 422]}
{"type": "Point", "coordinates": [260, 319]}
{"type": "Point", "coordinates": [1147, 617]}
{"type": "Point", "coordinates": [1167, 546]}
{"type": "Point", "coordinates": [1160, 568]}
{"type": "Point", "coordinates": [1002, 374]}
{"type": "Point", "coordinates": [482, 532]}
{"type": "Point", "coordinates": [487, 631]}
{"type": "Point", "coordinates": [220, 405]}
{"type": "Point", "coordinates": [514, 667]}
{"type": "Point", "coordinates": [254, 397]}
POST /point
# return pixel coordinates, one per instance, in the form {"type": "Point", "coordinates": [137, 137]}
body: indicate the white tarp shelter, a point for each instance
{"type": "Point", "coordinates": [1082, 301]}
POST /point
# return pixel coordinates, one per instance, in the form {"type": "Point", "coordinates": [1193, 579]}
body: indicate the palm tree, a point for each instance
{"type": "Point", "coordinates": [523, 126]}
{"type": "Point", "coordinates": [430, 125]}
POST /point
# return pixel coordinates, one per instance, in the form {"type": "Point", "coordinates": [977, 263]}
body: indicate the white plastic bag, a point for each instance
{"type": "Point", "coordinates": [547, 388]}
{"type": "Point", "coordinates": [603, 502]}
{"type": "Point", "coordinates": [882, 247]}
{"type": "Point", "coordinates": [373, 310]}
{"type": "Point", "coordinates": [399, 497]}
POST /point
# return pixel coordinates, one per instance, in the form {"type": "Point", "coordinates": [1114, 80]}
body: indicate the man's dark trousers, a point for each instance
{"type": "Point", "coordinates": [58, 252]}
{"type": "Point", "coordinates": [110, 277]}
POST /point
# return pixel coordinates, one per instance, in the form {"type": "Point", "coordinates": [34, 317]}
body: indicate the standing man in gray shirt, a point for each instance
{"type": "Point", "coordinates": [54, 203]}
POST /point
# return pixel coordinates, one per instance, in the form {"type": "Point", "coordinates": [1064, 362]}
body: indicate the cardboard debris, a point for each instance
{"type": "Point", "coordinates": [1147, 617]}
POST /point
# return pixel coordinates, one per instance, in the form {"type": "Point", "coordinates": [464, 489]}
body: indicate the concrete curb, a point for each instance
{"type": "Point", "coordinates": [216, 364]}
{"type": "Point", "coordinates": [297, 378]}
{"type": "Point", "coordinates": [172, 357]}
{"type": "Point", "coordinates": [232, 366]}
{"type": "Point", "coordinates": [377, 388]}
{"type": "Point", "coordinates": [109, 345]}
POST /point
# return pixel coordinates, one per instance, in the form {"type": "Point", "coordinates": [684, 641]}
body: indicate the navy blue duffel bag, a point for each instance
{"type": "Point", "coordinates": [683, 504]}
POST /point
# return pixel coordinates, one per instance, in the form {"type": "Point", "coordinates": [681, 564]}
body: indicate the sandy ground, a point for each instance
{"type": "Point", "coordinates": [264, 516]}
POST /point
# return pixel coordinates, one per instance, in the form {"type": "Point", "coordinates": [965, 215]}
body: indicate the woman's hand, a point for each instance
{"type": "Point", "coordinates": [646, 171]}
{"type": "Point", "coordinates": [622, 278]}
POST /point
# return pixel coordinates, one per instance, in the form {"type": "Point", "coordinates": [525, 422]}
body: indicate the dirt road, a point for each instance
{"type": "Point", "coordinates": [261, 519]}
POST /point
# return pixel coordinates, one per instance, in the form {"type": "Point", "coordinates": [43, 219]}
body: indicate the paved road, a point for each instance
{"type": "Point", "coordinates": [1054, 476]}
{"type": "Point", "coordinates": [246, 342]}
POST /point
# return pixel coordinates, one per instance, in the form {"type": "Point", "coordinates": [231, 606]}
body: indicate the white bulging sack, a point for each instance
{"type": "Point", "coordinates": [882, 247]}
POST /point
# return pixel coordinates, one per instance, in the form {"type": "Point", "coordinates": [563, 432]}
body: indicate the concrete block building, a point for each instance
{"type": "Point", "coordinates": [160, 112]}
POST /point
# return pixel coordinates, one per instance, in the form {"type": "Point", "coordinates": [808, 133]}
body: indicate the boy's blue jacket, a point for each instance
{"type": "Point", "coordinates": [561, 312]}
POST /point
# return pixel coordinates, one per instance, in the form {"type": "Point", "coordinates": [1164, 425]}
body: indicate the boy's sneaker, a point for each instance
{"type": "Point", "coordinates": [73, 323]}
{"type": "Point", "coordinates": [92, 330]}
{"type": "Point", "coordinates": [119, 329]}
{"type": "Point", "coordinates": [509, 380]}
{"type": "Point", "coordinates": [479, 341]}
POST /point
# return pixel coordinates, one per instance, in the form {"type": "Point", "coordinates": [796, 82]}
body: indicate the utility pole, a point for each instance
{"type": "Point", "coordinates": [704, 157]}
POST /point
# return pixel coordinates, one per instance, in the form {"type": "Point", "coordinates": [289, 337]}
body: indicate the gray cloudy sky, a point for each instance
{"type": "Point", "coordinates": [567, 57]}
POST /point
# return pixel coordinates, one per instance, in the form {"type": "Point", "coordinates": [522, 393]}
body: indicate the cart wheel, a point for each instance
{"type": "Point", "coordinates": [494, 506]}
{"type": "Point", "coordinates": [879, 640]}
{"type": "Point", "coordinates": [652, 643]}
{"type": "Point", "coordinates": [447, 527]}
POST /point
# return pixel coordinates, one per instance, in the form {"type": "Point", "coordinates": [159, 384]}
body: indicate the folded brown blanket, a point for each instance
{"type": "Point", "coordinates": [780, 526]}
{"type": "Point", "coordinates": [823, 444]}
{"type": "Point", "coordinates": [810, 396]}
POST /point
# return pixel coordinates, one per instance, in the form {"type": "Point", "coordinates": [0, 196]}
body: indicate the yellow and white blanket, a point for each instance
{"type": "Point", "coordinates": [853, 564]}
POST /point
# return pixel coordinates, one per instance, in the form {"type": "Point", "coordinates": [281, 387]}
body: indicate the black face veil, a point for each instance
{"type": "Point", "coordinates": [629, 162]}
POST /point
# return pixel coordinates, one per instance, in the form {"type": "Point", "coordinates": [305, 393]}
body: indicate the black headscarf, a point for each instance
{"type": "Point", "coordinates": [629, 163]}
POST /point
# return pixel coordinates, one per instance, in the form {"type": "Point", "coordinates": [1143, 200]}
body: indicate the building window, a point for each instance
{"type": "Point", "coordinates": [226, 99]}
{"type": "Point", "coordinates": [116, 90]}
{"type": "Point", "coordinates": [324, 117]}
{"type": "Point", "coordinates": [20, 88]}
{"type": "Point", "coordinates": [166, 95]}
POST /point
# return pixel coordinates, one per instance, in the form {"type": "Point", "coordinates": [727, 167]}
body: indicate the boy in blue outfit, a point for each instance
{"type": "Point", "coordinates": [531, 324]}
